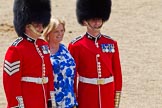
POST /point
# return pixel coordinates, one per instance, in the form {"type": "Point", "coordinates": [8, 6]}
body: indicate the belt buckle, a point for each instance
{"type": "Point", "coordinates": [44, 80]}
{"type": "Point", "coordinates": [100, 81]}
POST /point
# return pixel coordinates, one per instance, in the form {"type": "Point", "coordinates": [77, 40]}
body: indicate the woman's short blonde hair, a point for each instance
{"type": "Point", "coordinates": [54, 22]}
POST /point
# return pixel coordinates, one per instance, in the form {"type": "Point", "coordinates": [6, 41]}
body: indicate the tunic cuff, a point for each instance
{"type": "Point", "coordinates": [52, 102]}
{"type": "Point", "coordinates": [117, 99]}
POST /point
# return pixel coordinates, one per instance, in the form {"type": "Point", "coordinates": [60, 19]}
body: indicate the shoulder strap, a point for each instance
{"type": "Point", "coordinates": [76, 39]}
{"type": "Point", "coordinates": [108, 37]}
{"type": "Point", "coordinates": [17, 41]}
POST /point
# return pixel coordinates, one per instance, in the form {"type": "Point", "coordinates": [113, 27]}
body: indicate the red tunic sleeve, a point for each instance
{"type": "Point", "coordinates": [12, 77]}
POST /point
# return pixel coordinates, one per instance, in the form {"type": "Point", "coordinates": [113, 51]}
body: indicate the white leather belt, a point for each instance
{"type": "Point", "coordinates": [42, 80]}
{"type": "Point", "coordinates": [96, 81]}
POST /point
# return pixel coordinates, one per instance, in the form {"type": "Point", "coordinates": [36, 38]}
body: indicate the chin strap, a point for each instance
{"type": "Point", "coordinates": [93, 28]}
{"type": "Point", "coordinates": [34, 30]}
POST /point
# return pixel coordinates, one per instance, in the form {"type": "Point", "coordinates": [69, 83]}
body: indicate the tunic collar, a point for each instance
{"type": "Point", "coordinates": [89, 36]}
{"type": "Point", "coordinates": [28, 38]}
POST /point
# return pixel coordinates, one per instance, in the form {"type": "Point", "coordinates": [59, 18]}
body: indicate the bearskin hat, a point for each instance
{"type": "Point", "coordinates": [28, 11]}
{"type": "Point", "coordinates": [88, 9]}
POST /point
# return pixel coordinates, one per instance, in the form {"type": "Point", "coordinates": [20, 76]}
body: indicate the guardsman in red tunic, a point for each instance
{"type": "Point", "coordinates": [27, 70]}
{"type": "Point", "coordinates": [97, 58]}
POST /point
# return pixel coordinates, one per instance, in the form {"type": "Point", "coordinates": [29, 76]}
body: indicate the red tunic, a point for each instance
{"type": "Point", "coordinates": [84, 50]}
{"type": "Point", "coordinates": [27, 58]}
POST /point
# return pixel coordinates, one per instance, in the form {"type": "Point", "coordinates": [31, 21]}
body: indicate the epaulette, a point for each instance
{"type": "Point", "coordinates": [17, 41]}
{"type": "Point", "coordinates": [76, 39]}
{"type": "Point", "coordinates": [108, 37]}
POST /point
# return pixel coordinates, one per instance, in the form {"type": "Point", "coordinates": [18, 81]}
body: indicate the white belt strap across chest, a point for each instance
{"type": "Point", "coordinates": [39, 80]}
{"type": "Point", "coordinates": [96, 81]}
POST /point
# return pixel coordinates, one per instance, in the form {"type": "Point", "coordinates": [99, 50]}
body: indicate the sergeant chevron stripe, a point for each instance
{"type": "Point", "coordinates": [11, 68]}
